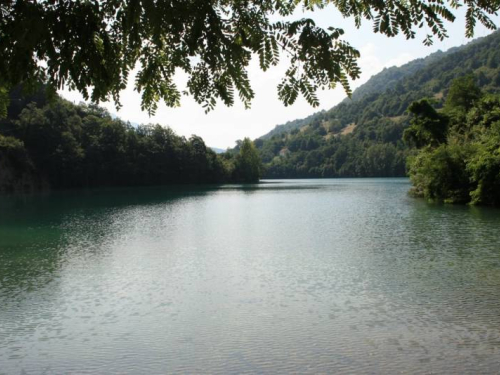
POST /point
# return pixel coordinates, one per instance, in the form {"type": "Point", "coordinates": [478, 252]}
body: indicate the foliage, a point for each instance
{"type": "Point", "coordinates": [440, 174]}
{"type": "Point", "coordinates": [465, 167]}
{"type": "Point", "coordinates": [483, 122]}
{"type": "Point", "coordinates": [484, 167]}
{"type": "Point", "coordinates": [4, 101]}
{"type": "Point", "coordinates": [428, 127]}
{"type": "Point", "coordinates": [463, 94]}
{"type": "Point", "coordinates": [13, 151]}
{"type": "Point", "coordinates": [363, 136]}
{"type": "Point", "coordinates": [73, 146]}
{"type": "Point", "coordinates": [10, 144]}
{"type": "Point", "coordinates": [96, 44]}
{"type": "Point", "coordinates": [248, 163]}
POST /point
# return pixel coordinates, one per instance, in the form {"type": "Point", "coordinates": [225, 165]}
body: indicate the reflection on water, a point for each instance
{"type": "Point", "coordinates": [291, 276]}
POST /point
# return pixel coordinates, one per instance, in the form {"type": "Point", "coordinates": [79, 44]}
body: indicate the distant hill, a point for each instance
{"type": "Point", "coordinates": [380, 82]}
{"type": "Point", "coordinates": [362, 136]}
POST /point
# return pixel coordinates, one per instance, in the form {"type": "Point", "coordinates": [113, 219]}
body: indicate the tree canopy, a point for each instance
{"type": "Point", "coordinates": [248, 163]}
{"type": "Point", "coordinates": [92, 46]}
{"type": "Point", "coordinates": [464, 167]}
{"type": "Point", "coordinates": [57, 144]}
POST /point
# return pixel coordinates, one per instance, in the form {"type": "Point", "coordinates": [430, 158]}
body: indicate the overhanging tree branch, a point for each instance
{"type": "Point", "coordinates": [93, 45]}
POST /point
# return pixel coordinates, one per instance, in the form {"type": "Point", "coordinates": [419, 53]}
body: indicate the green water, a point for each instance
{"type": "Point", "coordinates": [309, 276]}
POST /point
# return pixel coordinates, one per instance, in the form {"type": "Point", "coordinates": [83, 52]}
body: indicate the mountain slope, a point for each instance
{"type": "Point", "coordinates": [380, 82]}
{"type": "Point", "coordinates": [362, 137]}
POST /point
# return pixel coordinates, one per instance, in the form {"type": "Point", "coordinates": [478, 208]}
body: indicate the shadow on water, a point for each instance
{"type": "Point", "coordinates": [14, 205]}
{"type": "Point", "coordinates": [95, 198]}
{"type": "Point", "coordinates": [20, 214]}
{"type": "Point", "coordinates": [38, 230]}
{"type": "Point", "coordinates": [41, 219]}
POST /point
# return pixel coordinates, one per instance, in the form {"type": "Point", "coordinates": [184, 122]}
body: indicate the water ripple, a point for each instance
{"type": "Point", "coordinates": [334, 276]}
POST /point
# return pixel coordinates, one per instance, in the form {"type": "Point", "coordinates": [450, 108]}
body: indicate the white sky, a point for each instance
{"type": "Point", "coordinates": [223, 126]}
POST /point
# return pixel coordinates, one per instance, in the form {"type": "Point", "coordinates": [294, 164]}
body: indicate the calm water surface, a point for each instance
{"type": "Point", "coordinates": [310, 276]}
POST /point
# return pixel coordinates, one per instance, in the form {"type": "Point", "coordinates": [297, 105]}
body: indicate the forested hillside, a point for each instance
{"type": "Point", "coordinates": [378, 83]}
{"type": "Point", "coordinates": [363, 136]}
{"type": "Point", "coordinates": [56, 144]}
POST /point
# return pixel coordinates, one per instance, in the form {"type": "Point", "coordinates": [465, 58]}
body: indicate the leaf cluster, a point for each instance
{"type": "Point", "coordinates": [94, 47]}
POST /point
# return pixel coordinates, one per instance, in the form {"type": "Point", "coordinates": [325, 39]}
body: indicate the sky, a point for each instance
{"type": "Point", "coordinates": [223, 126]}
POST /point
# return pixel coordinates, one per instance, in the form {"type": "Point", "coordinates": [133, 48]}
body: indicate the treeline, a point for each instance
{"type": "Point", "coordinates": [58, 144]}
{"type": "Point", "coordinates": [458, 148]}
{"type": "Point", "coordinates": [363, 137]}
{"type": "Point", "coordinates": [312, 152]}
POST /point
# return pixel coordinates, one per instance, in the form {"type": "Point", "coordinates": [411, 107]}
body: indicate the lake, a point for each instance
{"type": "Point", "coordinates": [302, 276]}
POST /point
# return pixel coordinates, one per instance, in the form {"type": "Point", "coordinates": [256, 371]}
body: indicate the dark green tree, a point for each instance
{"type": "Point", "coordinates": [248, 164]}
{"type": "Point", "coordinates": [466, 167]}
{"type": "Point", "coordinates": [428, 127]}
{"type": "Point", "coordinates": [61, 145]}
{"type": "Point", "coordinates": [463, 94]}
